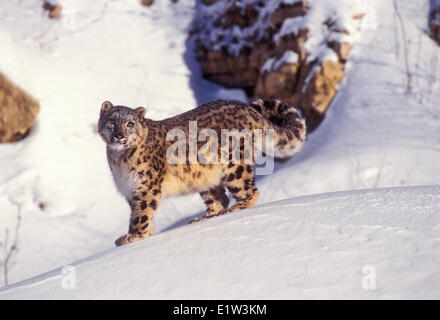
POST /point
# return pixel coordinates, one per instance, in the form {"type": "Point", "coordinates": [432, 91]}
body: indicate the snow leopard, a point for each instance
{"type": "Point", "coordinates": [137, 155]}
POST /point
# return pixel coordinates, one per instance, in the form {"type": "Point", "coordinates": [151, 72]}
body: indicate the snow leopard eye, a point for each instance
{"type": "Point", "coordinates": [130, 124]}
{"type": "Point", "coordinates": [110, 124]}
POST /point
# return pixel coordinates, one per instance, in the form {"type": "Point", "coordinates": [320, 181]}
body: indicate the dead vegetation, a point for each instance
{"type": "Point", "coordinates": [9, 248]}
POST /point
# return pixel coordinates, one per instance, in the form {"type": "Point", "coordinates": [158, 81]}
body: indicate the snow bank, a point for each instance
{"type": "Point", "coordinates": [382, 243]}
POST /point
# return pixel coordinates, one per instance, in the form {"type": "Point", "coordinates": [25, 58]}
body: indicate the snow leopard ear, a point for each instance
{"type": "Point", "coordinates": [140, 112]}
{"type": "Point", "coordinates": [106, 106]}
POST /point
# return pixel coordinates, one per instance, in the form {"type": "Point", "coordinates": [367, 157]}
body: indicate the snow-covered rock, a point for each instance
{"type": "Point", "coordinates": [237, 41]}
{"type": "Point", "coordinates": [434, 20]}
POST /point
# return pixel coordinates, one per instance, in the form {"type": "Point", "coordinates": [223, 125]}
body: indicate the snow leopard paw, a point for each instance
{"type": "Point", "coordinates": [128, 238]}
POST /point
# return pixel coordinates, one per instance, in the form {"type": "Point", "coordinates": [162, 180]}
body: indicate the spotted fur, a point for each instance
{"type": "Point", "coordinates": [136, 152]}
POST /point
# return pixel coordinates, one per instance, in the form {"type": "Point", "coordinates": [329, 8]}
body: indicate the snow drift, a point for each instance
{"type": "Point", "coordinates": [375, 135]}
{"type": "Point", "coordinates": [382, 243]}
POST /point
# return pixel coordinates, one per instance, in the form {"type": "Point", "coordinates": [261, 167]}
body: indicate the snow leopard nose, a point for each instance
{"type": "Point", "coordinates": [119, 136]}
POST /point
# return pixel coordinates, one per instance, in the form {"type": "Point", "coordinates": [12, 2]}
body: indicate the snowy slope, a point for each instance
{"type": "Point", "coordinates": [374, 135]}
{"type": "Point", "coordinates": [105, 50]}
{"type": "Point", "coordinates": [320, 246]}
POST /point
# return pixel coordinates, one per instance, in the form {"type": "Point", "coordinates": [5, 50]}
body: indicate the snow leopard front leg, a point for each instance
{"type": "Point", "coordinates": [143, 205]}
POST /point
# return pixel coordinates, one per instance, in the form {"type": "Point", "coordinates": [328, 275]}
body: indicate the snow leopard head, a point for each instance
{"type": "Point", "coordinates": [120, 127]}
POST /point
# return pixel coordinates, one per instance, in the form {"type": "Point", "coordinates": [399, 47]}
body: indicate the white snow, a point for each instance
{"type": "Point", "coordinates": [289, 26]}
{"type": "Point", "coordinates": [381, 243]}
{"type": "Point", "coordinates": [217, 38]}
{"type": "Point", "coordinates": [273, 64]}
{"type": "Point", "coordinates": [374, 135]}
{"type": "Point", "coordinates": [105, 50]}
{"type": "Point", "coordinates": [340, 12]}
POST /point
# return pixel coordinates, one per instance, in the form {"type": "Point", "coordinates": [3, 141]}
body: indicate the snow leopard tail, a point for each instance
{"type": "Point", "coordinates": [288, 124]}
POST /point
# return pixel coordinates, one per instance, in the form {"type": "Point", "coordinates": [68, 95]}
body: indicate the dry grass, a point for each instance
{"type": "Point", "coordinates": [405, 42]}
{"type": "Point", "coordinates": [9, 249]}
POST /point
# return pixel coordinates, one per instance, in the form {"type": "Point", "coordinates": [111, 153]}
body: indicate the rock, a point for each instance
{"type": "Point", "coordinates": [209, 2]}
{"type": "Point", "coordinates": [242, 17]}
{"type": "Point", "coordinates": [288, 11]}
{"type": "Point", "coordinates": [18, 111]}
{"type": "Point", "coordinates": [312, 87]}
{"type": "Point", "coordinates": [147, 2]}
{"type": "Point", "coordinates": [434, 24]}
{"type": "Point", "coordinates": [243, 70]}
{"type": "Point", "coordinates": [358, 16]}
{"type": "Point", "coordinates": [321, 88]}
{"type": "Point", "coordinates": [247, 36]}
{"type": "Point", "coordinates": [279, 82]}
{"type": "Point", "coordinates": [334, 27]}
{"type": "Point", "coordinates": [293, 41]}
{"type": "Point", "coordinates": [342, 49]}
{"type": "Point", "coordinates": [54, 9]}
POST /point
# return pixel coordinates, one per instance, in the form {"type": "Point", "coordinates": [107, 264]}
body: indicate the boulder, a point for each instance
{"type": "Point", "coordinates": [237, 41]}
{"type": "Point", "coordinates": [310, 86]}
{"type": "Point", "coordinates": [208, 2]}
{"type": "Point", "coordinates": [54, 9]}
{"type": "Point", "coordinates": [320, 90]}
{"type": "Point", "coordinates": [285, 11]}
{"type": "Point", "coordinates": [434, 24]}
{"type": "Point", "coordinates": [147, 3]}
{"type": "Point", "coordinates": [18, 111]}
{"type": "Point", "coordinates": [342, 49]}
{"type": "Point", "coordinates": [279, 78]}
